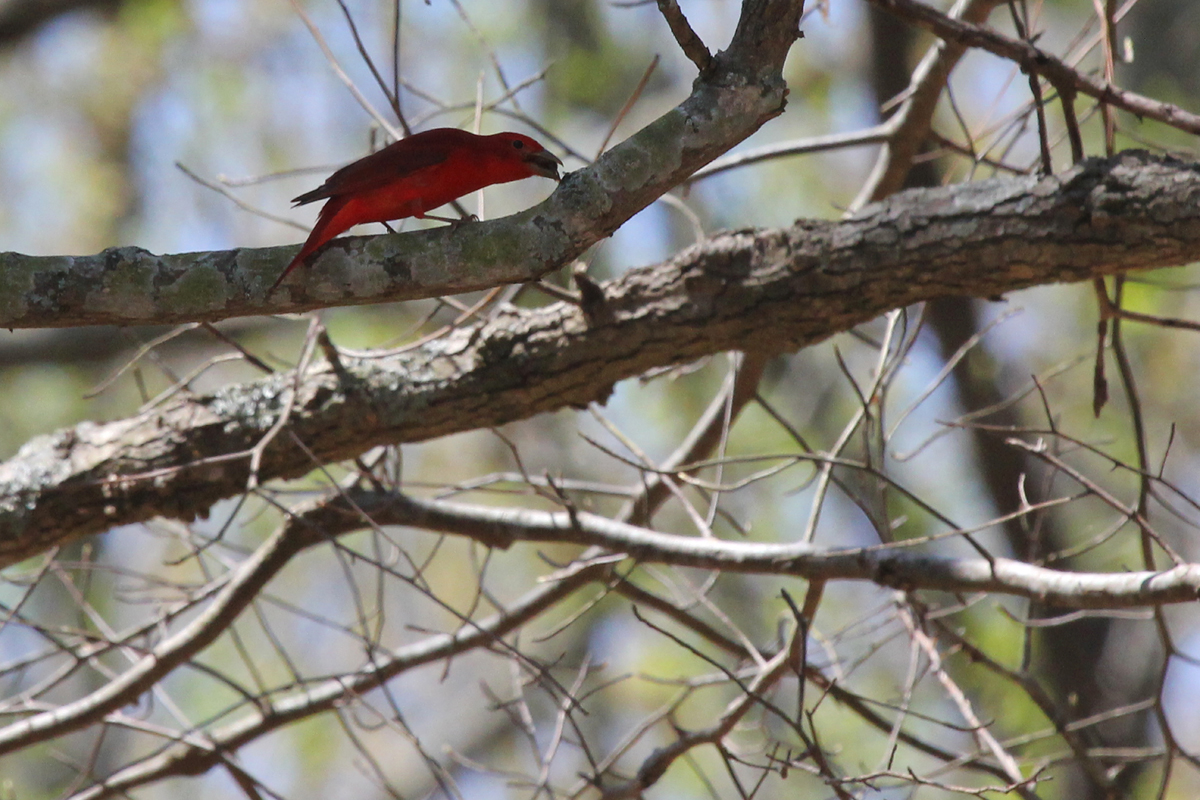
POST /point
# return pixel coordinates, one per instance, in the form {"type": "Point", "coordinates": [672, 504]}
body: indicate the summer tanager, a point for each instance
{"type": "Point", "coordinates": [418, 174]}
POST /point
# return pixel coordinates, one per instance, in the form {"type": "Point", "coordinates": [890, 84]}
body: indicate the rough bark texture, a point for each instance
{"type": "Point", "coordinates": [768, 291]}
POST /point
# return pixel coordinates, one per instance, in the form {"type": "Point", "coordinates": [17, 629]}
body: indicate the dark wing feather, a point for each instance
{"type": "Point", "coordinates": [382, 167]}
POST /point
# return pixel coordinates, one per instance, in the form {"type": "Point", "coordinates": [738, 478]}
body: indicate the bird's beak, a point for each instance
{"type": "Point", "coordinates": [545, 164]}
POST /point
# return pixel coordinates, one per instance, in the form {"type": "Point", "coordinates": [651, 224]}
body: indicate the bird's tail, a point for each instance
{"type": "Point", "coordinates": [328, 226]}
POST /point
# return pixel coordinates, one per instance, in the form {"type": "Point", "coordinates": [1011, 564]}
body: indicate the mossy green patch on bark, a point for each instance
{"type": "Point", "coordinates": [20, 280]}
{"type": "Point", "coordinates": [200, 287]}
{"type": "Point", "coordinates": [263, 264]}
{"type": "Point", "coordinates": [126, 286]}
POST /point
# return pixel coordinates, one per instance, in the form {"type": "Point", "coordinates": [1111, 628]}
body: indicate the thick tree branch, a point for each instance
{"type": "Point", "coordinates": [759, 291]}
{"type": "Point", "coordinates": [127, 285]}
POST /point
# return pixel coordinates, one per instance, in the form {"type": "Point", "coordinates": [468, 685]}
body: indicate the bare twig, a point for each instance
{"type": "Point", "coordinates": [687, 39]}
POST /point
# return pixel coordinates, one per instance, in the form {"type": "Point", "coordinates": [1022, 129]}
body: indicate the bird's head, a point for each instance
{"type": "Point", "coordinates": [537, 159]}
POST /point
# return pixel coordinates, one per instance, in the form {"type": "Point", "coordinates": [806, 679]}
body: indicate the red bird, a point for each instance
{"type": "Point", "coordinates": [418, 174]}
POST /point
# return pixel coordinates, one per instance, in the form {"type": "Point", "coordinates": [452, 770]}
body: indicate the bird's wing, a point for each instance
{"type": "Point", "coordinates": [394, 162]}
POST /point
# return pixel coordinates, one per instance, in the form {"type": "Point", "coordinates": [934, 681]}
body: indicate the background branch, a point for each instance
{"type": "Point", "coordinates": [1038, 62]}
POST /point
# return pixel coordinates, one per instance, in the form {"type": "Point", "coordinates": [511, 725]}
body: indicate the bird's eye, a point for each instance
{"type": "Point", "coordinates": [517, 143]}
